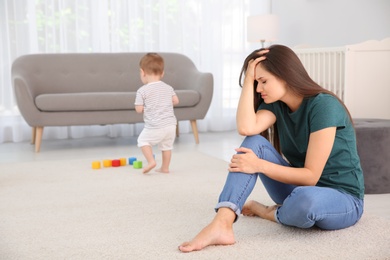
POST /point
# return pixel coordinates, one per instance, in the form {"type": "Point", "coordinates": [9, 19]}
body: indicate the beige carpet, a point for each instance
{"type": "Point", "coordinates": [66, 210]}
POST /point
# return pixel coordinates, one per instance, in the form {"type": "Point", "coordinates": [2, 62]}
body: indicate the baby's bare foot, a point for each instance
{"type": "Point", "coordinates": [149, 167]}
{"type": "Point", "coordinates": [162, 170]}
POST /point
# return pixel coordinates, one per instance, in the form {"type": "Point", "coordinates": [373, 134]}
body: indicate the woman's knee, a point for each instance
{"type": "Point", "coordinates": [254, 140]}
{"type": "Point", "coordinates": [304, 200]}
{"type": "Point", "coordinates": [257, 144]}
{"type": "Point", "coordinates": [297, 208]}
{"type": "Point", "coordinates": [324, 207]}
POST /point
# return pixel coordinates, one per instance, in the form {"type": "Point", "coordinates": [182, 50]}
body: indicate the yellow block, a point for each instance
{"type": "Point", "coordinates": [96, 165]}
{"type": "Point", "coordinates": [123, 161]}
{"type": "Point", "coordinates": [107, 163]}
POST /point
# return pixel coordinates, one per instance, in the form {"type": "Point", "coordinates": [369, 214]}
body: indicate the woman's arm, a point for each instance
{"type": "Point", "coordinates": [248, 121]}
{"type": "Point", "coordinates": [318, 151]}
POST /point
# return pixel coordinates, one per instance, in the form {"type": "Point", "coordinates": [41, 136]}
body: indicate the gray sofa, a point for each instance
{"type": "Point", "coordinates": [71, 89]}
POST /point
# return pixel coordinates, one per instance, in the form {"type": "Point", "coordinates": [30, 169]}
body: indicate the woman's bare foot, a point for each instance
{"type": "Point", "coordinates": [162, 170]}
{"type": "Point", "coordinates": [149, 167]}
{"type": "Point", "coordinates": [218, 232]}
{"type": "Point", "coordinates": [254, 208]}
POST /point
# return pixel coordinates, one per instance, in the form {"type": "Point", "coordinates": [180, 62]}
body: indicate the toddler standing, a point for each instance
{"type": "Point", "coordinates": [155, 99]}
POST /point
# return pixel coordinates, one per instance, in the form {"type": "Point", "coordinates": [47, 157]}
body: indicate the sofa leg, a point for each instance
{"type": "Point", "coordinates": [38, 138]}
{"type": "Point", "coordinates": [33, 133]}
{"type": "Point", "coordinates": [195, 130]}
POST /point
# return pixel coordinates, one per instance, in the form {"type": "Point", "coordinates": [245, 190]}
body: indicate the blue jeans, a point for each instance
{"type": "Point", "coordinates": [301, 206]}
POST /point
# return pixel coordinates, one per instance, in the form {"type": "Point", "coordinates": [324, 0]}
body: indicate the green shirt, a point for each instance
{"type": "Point", "coordinates": [342, 170]}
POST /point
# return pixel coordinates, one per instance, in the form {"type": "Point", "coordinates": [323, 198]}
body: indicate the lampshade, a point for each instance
{"type": "Point", "coordinates": [262, 28]}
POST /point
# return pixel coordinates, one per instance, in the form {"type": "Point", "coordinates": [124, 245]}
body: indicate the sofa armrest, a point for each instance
{"type": "Point", "coordinates": [203, 83]}
{"type": "Point", "coordinates": [25, 100]}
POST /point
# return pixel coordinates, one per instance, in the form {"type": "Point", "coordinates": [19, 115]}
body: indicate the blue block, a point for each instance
{"type": "Point", "coordinates": [132, 159]}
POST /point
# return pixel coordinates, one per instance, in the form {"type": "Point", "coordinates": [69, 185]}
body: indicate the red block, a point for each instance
{"type": "Point", "coordinates": [116, 163]}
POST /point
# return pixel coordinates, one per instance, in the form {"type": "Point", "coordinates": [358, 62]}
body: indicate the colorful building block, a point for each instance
{"type": "Point", "coordinates": [116, 163]}
{"type": "Point", "coordinates": [107, 163]}
{"type": "Point", "coordinates": [132, 160]}
{"type": "Point", "coordinates": [96, 165]}
{"type": "Point", "coordinates": [137, 164]}
{"type": "Point", "coordinates": [123, 161]}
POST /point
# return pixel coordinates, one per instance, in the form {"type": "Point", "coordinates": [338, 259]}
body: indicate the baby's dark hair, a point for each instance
{"type": "Point", "coordinates": [152, 63]}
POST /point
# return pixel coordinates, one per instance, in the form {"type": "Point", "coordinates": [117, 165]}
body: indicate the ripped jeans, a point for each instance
{"type": "Point", "coordinates": [301, 206]}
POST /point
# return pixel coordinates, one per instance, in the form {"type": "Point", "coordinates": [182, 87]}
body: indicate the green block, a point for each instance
{"type": "Point", "coordinates": [137, 164]}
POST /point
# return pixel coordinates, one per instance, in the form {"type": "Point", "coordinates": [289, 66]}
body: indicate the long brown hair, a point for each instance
{"type": "Point", "coordinates": [283, 63]}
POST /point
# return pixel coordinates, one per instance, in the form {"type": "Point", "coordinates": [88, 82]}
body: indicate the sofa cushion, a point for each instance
{"type": "Point", "coordinates": [102, 101]}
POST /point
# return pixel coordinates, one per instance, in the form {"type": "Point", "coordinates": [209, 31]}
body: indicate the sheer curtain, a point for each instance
{"type": "Point", "coordinates": [210, 32]}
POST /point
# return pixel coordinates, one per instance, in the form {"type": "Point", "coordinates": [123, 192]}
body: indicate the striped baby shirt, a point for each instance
{"type": "Point", "coordinates": [156, 97]}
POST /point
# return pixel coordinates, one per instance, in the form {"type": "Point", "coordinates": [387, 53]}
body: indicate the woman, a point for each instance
{"type": "Point", "coordinates": [312, 171]}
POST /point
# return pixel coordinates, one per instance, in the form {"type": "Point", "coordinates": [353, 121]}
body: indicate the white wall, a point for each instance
{"type": "Point", "coordinates": [331, 23]}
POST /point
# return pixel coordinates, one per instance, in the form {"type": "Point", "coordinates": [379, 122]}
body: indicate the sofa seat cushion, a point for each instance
{"type": "Point", "coordinates": [102, 101]}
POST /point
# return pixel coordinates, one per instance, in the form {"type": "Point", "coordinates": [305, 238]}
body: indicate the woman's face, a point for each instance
{"type": "Point", "coordinates": [270, 87]}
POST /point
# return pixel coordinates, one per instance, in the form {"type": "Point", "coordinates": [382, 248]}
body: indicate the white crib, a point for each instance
{"type": "Point", "coordinates": [359, 74]}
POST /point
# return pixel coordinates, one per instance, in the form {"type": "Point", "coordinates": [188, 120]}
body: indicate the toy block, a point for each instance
{"type": "Point", "coordinates": [123, 161]}
{"type": "Point", "coordinates": [137, 164]}
{"type": "Point", "coordinates": [116, 163]}
{"type": "Point", "coordinates": [132, 160]}
{"type": "Point", "coordinates": [107, 163]}
{"type": "Point", "coordinates": [96, 165]}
